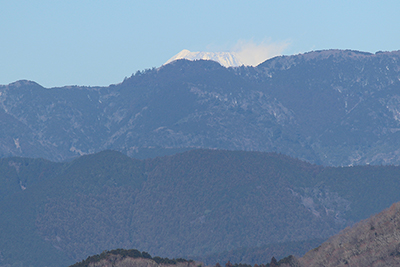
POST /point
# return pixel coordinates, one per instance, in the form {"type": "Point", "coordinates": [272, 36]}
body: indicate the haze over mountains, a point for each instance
{"type": "Point", "coordinates": [330, 107]}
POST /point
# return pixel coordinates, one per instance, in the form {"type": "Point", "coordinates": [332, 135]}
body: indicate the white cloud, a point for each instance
{"type": "Point", "coordinates": [253, 54]}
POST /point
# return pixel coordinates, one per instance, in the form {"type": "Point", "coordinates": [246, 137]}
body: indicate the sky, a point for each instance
{"type": "Point", "coordinates": [97, 43]}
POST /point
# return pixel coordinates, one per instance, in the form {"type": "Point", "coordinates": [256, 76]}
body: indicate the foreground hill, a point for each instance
{"type": "Point", "coordinates": [372, 242]}
{"type": "Point", "coordinates": [133, 258]}
{"type": "Point", "coordinates": [329, 107]}
{"type": "Point", "coordinates": [194, 204]}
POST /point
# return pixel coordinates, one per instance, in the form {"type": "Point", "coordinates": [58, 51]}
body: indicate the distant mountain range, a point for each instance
{"type": "Point", "coordinates": [333, 107]}
{"type": "Point", "coordinates": [200, 204]}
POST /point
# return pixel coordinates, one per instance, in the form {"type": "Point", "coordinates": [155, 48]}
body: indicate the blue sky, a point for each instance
{"type": "Point", "coordinates": [57, 43]}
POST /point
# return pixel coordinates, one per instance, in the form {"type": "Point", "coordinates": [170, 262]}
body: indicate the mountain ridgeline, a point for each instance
{"type": "Point", "coordinates": [201, 204]}
{"type": "Point", "coordinates": [333, 107]}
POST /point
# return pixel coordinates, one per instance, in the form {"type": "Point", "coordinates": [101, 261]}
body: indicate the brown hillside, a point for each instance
{"type": "Point", "coordinates": [372, 242]}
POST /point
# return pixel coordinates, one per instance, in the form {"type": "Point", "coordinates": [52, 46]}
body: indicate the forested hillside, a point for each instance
{"type": "Point", "coordinates": [195, 204]}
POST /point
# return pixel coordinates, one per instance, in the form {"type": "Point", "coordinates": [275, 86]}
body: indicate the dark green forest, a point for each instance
{"type": "Point", "coordinates": [209, 205]}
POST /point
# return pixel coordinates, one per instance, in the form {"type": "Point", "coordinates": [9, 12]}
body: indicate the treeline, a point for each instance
{"type": "Point", "coordinates": [124, 253]}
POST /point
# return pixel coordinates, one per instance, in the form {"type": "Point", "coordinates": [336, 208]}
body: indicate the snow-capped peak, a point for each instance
{"type": "Point", "coordinates": [226, 59]}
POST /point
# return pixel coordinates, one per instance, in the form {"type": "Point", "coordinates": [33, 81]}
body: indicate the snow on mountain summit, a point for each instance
{"type": "Point", "coordinates": [226, 59]}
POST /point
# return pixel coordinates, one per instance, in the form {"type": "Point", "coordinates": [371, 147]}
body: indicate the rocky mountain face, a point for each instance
{"type": "Point", "coordinates": [329, 107]}
{"type": "Point", "coordinates": [372, 242]}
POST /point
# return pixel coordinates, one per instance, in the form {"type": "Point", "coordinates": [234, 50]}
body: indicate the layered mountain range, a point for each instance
{"type": "Point", "coordinates": [333, 107]}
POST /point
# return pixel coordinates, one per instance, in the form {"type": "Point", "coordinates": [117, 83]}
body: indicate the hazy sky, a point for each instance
{"type": "Point", "coordinates": [57, 43]}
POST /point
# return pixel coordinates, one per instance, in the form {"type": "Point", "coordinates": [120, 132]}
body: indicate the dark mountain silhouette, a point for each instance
{"type": "Point", "coordinates": [197, 203]}
{"type": "Point", "coordinates": [333, 107]}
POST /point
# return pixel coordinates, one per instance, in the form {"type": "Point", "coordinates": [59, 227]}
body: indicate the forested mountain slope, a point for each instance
{"type": "Point", "coordinates": [196, 203]}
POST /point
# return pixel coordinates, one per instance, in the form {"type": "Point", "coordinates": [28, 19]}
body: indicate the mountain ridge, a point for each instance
{"type": "Point", "coordinates": [333, 107]}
